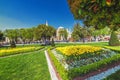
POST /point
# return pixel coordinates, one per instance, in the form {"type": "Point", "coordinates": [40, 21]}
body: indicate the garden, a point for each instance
{"type": "Point", "coordinates": [71, 61]}
{"type": "Point", "coordinates": [77, 61]}
{"type": "Point", "coordinates": [87, 50]}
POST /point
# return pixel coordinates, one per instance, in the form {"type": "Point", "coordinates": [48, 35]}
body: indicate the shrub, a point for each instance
{"type": "Point", "coordinates": [114, 39]}
{"type": "Point", "coordinates": [92, 67]}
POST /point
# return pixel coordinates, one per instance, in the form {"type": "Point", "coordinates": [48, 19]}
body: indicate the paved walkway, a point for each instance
{"type": "Point", "coordinates": [51, 69]}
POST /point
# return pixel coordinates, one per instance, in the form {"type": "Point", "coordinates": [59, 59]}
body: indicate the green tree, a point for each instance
{"type": "Point", "coordinates": [29, 34]}
{"type": "Point", "coordinates": [97, 13]}
{"type": "Point", "coordinates": [26, 34]}
{"type": "Point", "coordinates": [101, 32]}
{"type": "Point", "coordinates": [43, 32]}
{"type": "Point", "coordinates": [63, 33]}
{"type": "Point", "coordinates": [80, 32]}
{"type": "Point", "coordinates": [22, 34]}
{"type": "Point", "coordinates": [12, 34]}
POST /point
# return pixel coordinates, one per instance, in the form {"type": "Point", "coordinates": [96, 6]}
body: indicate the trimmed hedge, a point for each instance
{"type": "Point", "coordinates": [60, 69]}
{"type": "Point", "coordinates": [92, 67]}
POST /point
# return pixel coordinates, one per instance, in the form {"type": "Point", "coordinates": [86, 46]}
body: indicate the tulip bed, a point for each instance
{"type": "Point", "coordinates": [11, 51]}
{"type": "Point", "coordinates": [80, 60]}
{"type": "Point", "coordinates": [76, 56]}
{"type": "Point", "coordinates": [78, 50]}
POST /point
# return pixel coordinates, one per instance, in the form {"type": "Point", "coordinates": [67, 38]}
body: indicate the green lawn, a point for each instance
{"type": "Point", "coordinates": [114, 76]}
{"type": "Point", "coordinates": [92, 44]}
{"type": "Point", "coordinates": [31, 66]}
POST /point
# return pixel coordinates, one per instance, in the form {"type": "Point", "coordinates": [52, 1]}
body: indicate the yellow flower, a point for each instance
{"type": "Point", "coordinates": [77, 50]}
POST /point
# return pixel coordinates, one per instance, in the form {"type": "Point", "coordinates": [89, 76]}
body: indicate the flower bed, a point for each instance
{"type": "Point", "coordinates": [80, 60]}
{"type": "Point", "coordinates": [11, 51]}
{"type": "Point", "coordinates": [81, 55]}
{"type": "Point", "coordinates": [77, 50]}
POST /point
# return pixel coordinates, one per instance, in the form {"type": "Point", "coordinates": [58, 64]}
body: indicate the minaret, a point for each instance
{"type": "Point", "coordinates": [46, 23]}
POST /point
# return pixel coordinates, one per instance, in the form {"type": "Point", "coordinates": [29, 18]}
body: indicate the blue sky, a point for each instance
{"type": "Point", "coordinates": [30, 13]}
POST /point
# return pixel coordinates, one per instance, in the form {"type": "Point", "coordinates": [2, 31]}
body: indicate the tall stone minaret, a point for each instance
{"type": "Point", "coordinates": [46, 23]}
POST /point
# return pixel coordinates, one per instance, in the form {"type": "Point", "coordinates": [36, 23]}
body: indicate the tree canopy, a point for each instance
{"type": "Point", "coordinates": [44, 32]}
{"type": "Point", "coordinates": [97, 13]}
{"type": "Point", "coordinates": [80, 32]}
{"type": "Point", "coordinates": [63, 32]}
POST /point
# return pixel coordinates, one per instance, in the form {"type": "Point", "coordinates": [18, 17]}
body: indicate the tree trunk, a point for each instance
{"type": "Point", "coordinates": [83, 40]}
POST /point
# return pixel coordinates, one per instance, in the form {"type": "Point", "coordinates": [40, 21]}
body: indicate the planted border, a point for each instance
{"type": "Point", "coordinates": [13, 51]}
{"type": "Point", "coordinates": [60, 69]}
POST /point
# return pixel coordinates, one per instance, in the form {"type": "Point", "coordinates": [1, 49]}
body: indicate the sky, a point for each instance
{"type": "Point", "coordinates": [31, 13]}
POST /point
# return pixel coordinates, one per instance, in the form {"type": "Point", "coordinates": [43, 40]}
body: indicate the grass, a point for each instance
{"type": "Point", "coordinates": [31, 66]}
{"type": "Point", "coordinates": [101, 44]}
{"type": "Point", "coordinates": [114, 76]}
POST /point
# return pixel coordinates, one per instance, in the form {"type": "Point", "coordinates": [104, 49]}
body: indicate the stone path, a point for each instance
{"type": "Point", "coordinates": [51, 69]}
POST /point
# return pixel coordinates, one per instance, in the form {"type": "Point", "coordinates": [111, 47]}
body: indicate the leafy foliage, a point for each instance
{"type": "Point", "coordinates": [98, 13]}
{"type": "Point", "coordinates": [80, 32]}
{"type": "Point", "coordinates": [114, 40]}
{"type": "Point", "coordinates": [12, 34]}
{"type": "Point", "coordinates": [44, 32]}
{"type": "Point", "coordinates": [63, 32]}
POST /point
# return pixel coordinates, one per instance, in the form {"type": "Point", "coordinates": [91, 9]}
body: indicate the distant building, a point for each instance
{"type": "Point", "coordinates": [60, 37]}
{"type": "Point", "coordinates": [46, 23]}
